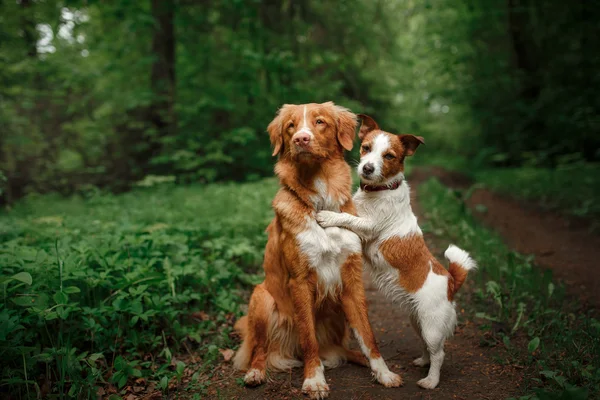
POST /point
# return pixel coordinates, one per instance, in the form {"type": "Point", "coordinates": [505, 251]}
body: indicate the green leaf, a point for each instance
{"type": "Point", "coordinates": [96, 356]}
{"type": "Point", "coordinates": [164, 382]}
{"type": "Point", "coordinates": [51, 315]}
{"type": "Point", "coordinates": [24, 301]}
{"type": "Point", "coordinates": [71, 290]}
{"type": "Point", "coordinates": [60, 298]}
{"type": "Point", "coordinates": [24, 277]}
{"type": "Point", "coordinates": [533, 344]}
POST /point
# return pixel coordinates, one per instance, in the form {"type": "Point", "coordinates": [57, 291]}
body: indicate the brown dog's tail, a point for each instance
{"type": "Point", "coordinates": [460, 264]}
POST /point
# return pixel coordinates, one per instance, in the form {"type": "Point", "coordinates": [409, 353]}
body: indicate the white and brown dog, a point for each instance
{"type": "Point", "coordinates": [393, 246]}
{"type": "Point", "coordinates": [313, 291]}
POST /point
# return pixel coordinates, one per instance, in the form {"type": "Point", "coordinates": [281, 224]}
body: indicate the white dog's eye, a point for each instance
{"type": "Point", "coordinates": [366, 148]}
{"type": "Point", "coordinates": [389, 156]}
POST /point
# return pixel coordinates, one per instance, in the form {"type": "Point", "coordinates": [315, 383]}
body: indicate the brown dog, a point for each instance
{"type": "Point", "coordinates": [313, 290]}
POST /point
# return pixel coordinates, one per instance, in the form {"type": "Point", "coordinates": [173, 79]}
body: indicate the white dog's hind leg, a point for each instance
{"type": "Point", "coordinates": [424, 359]}
{"type": "Point", "coordinates": [434, 337]}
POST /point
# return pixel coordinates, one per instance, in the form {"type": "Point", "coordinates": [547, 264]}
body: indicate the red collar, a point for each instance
{"type": "Point", "coordinates": [371, 188]}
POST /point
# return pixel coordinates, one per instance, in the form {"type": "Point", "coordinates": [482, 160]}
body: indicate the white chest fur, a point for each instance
{"type": "Point", "coordinates": [391, 216]}
{"type": "Point", "coordinates": [323, 200]}
{"type": "Point", "coordinates": [326, 249]}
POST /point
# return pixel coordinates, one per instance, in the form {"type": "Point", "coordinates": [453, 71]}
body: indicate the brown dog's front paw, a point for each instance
{"type": "Point", "coordinates": [389, 379]}
{"type": "Point", "coordinates": [316, 388]}
{"type": "Point", "coordinates": [254, 377]}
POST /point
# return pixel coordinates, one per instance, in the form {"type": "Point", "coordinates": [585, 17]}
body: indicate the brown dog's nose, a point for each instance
{"type": "Point", "coordinates": [301, 139]}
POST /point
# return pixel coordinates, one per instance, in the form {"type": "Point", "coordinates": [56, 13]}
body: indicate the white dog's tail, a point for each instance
{"type": "Point", "coordinates": [460, 264]}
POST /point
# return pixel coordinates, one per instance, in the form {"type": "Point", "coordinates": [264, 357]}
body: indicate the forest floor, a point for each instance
{"type": "Point", "coordinates": [472, 369]}
{"type": "Point", "coordinates": [559, 243]}
{"type": "Point", "coordinates": [179, 278]}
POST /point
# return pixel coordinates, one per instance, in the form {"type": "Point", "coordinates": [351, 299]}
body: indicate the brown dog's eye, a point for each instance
{"type": "Point", "coordinates": [366, 148]}
{"type": "Point", "coordinates": [291, 125]}
{"type": "Point", "coordinates": [389, 156]}
{"type": "Point", "coordinates": [320, 121]}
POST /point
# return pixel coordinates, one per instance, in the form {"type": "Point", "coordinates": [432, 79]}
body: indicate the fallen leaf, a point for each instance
{"type": "Point", "coordinates": [201, 315]}
{"type": "Point", "coordinates": [227, 354]}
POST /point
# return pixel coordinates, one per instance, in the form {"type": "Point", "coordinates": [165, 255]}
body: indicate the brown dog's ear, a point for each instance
{"type": "Point", "coordinates": [346, 127]}
{"type": "Point", "coordinates": [275, 130]}
{"type": "Point", "coordinates": [411, 142]}
{"type": "Point", "coordinates": [368, 124]}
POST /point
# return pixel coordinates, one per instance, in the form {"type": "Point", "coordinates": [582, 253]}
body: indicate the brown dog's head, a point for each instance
{"type": "Point", "coordinates": [309, 132]}
{"type": "Point", "coordinates": [382, 153]}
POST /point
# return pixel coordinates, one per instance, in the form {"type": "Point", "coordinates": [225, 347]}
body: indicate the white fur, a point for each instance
{"type": "Point", "coordinates": [386, 214]}
{"type": "Point", "coordinates": [455, 255]}
{"type": "Point", "coordinates": [379, 368]}
{"type": "Point", "coordinates": [304, 127]}
{"type": "Point", "coordinates": [327, 249]}
{"type": "Point", "coordinates": [316, 387]}
{"type": "Point", "coordinates": [323, 200]}
{"type": "Point", "coordinates": [379, 146]}
{"type": "Point", "coordinates": [254, 377]}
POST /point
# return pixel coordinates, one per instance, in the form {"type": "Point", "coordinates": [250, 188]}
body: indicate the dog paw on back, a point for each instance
{"type": "Point", "coordinates": [324, 218]}
{"type": "Point", "coordinates": [254, 377]}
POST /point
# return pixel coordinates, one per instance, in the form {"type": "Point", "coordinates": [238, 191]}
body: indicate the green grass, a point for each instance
{"type": "Point", "coordinates": [101, 290]}
{"type": "Point", "coordinates": [573, 189]}
{"type": "Point", "coordinates": [521, 307]}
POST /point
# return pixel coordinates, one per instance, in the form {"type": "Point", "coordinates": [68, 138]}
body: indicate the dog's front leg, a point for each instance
{"type": "Point", "coordinates": [361, 226]}
{"type": "Point", "coordinates": [304, 305]}
{"type": "Point", "coordinates": [354, 303]}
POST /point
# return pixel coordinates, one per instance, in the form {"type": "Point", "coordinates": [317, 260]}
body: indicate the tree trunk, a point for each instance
{"type": "Point", "coordinates": [162, 112]}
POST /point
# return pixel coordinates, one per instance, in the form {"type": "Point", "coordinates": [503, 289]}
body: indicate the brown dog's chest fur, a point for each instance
{"type": "Point", "coordinates": [295, 202]}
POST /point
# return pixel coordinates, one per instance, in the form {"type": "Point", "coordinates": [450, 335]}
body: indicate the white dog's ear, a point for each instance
{"type": "Point", "coordinates": [346, 127]}
{"type": "Point", "coordinates": [411, 142]}
{"type": "Point", "coordinates": [275, 130]}
{"type": "Point", "coordinates": [368, 124]}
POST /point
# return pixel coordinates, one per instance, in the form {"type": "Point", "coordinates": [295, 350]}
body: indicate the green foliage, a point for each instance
{"type": "Point", "coordinates": [574, 188]}
{"type": "Point", "coordinates": [104, 289]}
{"type": "Point", "coordinates": [95, 93]}
{"type": "Point", "coordinates": [82, 108]}
{"type": "Point", "coordinates": [520, 303]}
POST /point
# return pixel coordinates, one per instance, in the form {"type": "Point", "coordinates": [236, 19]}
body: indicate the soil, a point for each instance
{"type": "Point", "coordinates": [561, 244]}
{"type": "Point", "coordinates": [469, 371]}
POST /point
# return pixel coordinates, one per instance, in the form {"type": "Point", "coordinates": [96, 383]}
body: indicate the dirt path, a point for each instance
{"type": "Point", "coordinates": [561, 244]}
{"type": "Point", "coordinates": [469, 371]}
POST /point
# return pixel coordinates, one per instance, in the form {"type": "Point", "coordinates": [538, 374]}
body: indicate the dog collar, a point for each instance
{"type": "Point", "coordinates": [371, 188]}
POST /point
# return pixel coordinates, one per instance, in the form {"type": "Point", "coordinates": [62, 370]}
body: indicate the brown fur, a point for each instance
{"type": "Point", "coordinates": [289, 317]}
{"type": "Point", "coordinates": [413, 260]}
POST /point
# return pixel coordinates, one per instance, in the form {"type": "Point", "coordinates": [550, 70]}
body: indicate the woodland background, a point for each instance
{"type": "Point", "coordinates": [133, 148]}
{"type": "Point", "coordinates": [104, 94]}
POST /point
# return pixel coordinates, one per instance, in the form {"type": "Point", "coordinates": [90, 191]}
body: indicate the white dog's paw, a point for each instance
{"type": "Point", "coordinates": [389, 379]}
{"type": "Point", "coordinates": [428, 383]}
{"type": "Point", "coordinates": [421, 361]}
{"type": "Point", "coordinates": [254, 377]}
{"type": "Point", "coordinates": [326, 218]}
{"type": "Point", "coordinates": [316, 388]}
